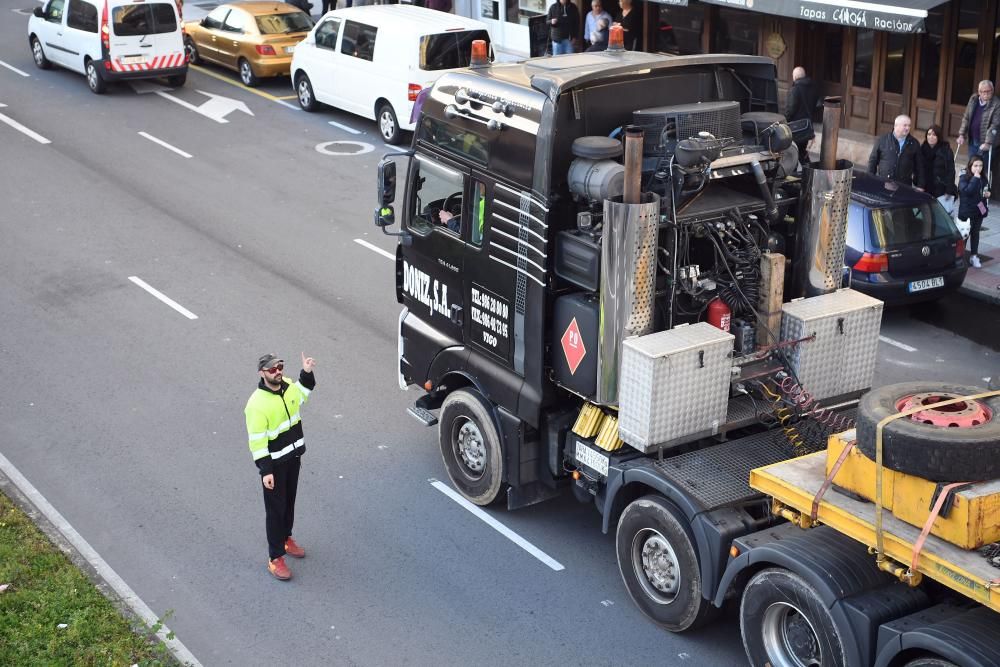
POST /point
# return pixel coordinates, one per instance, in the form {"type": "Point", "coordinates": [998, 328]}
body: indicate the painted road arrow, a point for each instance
{"type": "Point", "coordinates": [217, 107]}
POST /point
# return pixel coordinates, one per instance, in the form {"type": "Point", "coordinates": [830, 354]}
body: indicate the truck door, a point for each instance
{"type": "Point", "coordinates": [431, 266]}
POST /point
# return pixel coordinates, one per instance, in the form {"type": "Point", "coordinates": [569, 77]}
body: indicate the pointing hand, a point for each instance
{"type": "Point", "coordinates": [308, 363]}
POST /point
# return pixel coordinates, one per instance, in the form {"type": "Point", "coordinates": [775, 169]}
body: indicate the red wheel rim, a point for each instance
{"type": "Point", "coordinates": [964, 414]}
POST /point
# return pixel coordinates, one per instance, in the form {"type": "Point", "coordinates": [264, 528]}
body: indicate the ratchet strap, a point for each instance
{"type": "Point", "coordinates": [942, 498]}
{"type": "Point", "coordinates": [829, 479]}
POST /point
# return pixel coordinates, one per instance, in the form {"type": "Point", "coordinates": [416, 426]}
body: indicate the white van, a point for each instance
{"type": "Point", "coordinates": [373, 61]}
{"type": "Point", "coordinates": [110, 40]}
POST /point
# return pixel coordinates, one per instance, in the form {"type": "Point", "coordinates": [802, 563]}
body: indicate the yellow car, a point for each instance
{"type": "Point", "coordinates": [256, 39]}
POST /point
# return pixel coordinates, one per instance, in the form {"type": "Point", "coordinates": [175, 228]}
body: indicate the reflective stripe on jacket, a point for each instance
{"type": "Point", "coordinates": [274, 425]}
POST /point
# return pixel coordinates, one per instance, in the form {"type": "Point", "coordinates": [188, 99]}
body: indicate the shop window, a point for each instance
{"type": "Point", "coordinates": [736, 31]}
{"type": "Point", "coordinates": [864, 50]}
{"type": "Point", "coordinates": [963, 81]}
{"type": "Point", "coordinates": [519, 11]}
{"type": "Point", "coordinates": [895, 62]}
{"type": "Point", "coordinates": [680, 30]}
{"type": "Point", "coordinates": [930, 55]}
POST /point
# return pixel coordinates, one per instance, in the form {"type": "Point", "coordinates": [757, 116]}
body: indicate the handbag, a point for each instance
{"type": "Point", "coordinates": [982, 207]}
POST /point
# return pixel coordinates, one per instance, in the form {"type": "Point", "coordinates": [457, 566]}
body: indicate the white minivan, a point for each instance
{"type": "Point", "coordinates": [374, 60]}
{"type": "Point", "coordinates": [110, 40]}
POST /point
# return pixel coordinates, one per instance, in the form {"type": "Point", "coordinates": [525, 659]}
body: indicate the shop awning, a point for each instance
{"type": "Point", "coordinates": [892, 15]}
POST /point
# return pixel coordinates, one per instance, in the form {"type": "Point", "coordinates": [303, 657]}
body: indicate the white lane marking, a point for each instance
{"type": "Point", "coordinates": [123, 590]}
{"type": "Point", "coordinates": [375, 248]}
{"type": "Point", "coordinates": [165, 145]}
{"type": "Point", "coordinates": [22, 129]}
{"type": "Point", "coordinates": [345, 128]}
{"type": "Point", "coordinates": [14, 69]}
{"type": "Point", "coordinates": [164, 298]}
{"type": "Point", "coordinates": [288, 104]}
{"type": "Point", "coordinates": [360, 147]}
{"type": "Point", "coordinates": [896, 343]}
{"type": "Point", "coordinates": [497, 526]}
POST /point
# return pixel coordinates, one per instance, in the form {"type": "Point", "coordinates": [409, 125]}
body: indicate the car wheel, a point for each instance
{"type": "Point", "coordinates": [659, 566]}
{"type": "Point", "coordinates": [246, 74]}
{"type": "Point", "coordinates": [953, 443]}
{"type": "Point", "coordinates": [39, 55]}
{"type": "Point", "coordinates": [388, 126]}
{"type": "Point", "coordinates": [95, 80]}
{"type": "Point", "coordinates": [784, 621]}
{"type": "Point", "coordinates": [470, 446]}
{"type": "Point", "coordinates": [304, 91]}
{"type": "Point", "coordinates": [177, 81]}
{"type": "Point", "coordinates": [192, 51]}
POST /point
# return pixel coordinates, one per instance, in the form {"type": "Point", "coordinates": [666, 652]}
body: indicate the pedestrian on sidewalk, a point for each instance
{"type": "Point", "coordinates": [592, 32]}
{"type": "Point", "coordinates": [276, 444]}
{"type": "Point", "coordinates": [939, 164]}
{"type": "Point", "coordinates": [564, 26]}
{"type": "Point", "coordinates": [973, 195]}
{"type": "Point", "coordinates": [800, 105]}
{"type": "Point", "coordinates": [631, 22]}
{"type": "Point", "coordinates": [897, 156]}
{"type": "Point", "coordinates": [981, 121]}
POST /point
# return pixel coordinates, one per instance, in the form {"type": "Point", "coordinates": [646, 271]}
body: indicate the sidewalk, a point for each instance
{"type": "Point", "coordinates": [984, 283]}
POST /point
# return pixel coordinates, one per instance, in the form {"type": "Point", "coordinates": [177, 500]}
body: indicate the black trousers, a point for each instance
{"type": "Point", "coordinates": [279, 506]}
{"type": "Point", "coordinates": [803, 151]}
{"type": "Point", "coordinates": [976, 224]}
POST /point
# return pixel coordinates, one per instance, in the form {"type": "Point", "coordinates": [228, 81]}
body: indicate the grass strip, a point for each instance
{"type": "Point", "coordinates": [52, 614]}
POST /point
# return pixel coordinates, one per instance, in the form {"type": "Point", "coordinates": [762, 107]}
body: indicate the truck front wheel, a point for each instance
{"type": "Point", "coordinates": [659, 565]}
{"type": "Point", "coordinates": [785, 623]}
{"type": "Point", "coordinates": [470, 446]}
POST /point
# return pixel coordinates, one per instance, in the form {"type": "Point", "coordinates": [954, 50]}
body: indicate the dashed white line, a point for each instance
{"type": "Point", "coordinates": [165, 145]}
{"type": "Point", "coordinates": [14, 69]}
{"type": "Point", "coordinates": [345, 128]}
{"type": "Point", "coordinates": [375, 248]}
{"type": "Point", "coordinates": [896, 343]}
{"type": "Point", "coordinates": [163, 297]}
{"type": "Point", "coordinates": [123, 590]}
{"type": "Point", "coordinates": [289, 105]}
{"type": "Point", "coordinates": [497, 526]}
{"type": "Point", "coordinates": [22, 129]}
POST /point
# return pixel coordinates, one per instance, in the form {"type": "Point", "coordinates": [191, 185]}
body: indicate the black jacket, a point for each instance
{"type": "Point", "coordinates": [567, 21]}
{"type": "Point", "coordinates": [970, 193]}
{"type": "Point", "coordinates": [903, 166]}
{"type": "Point", "coordinates": [939, 168]}
{"type": "Point", "coordinates": [801, 100]}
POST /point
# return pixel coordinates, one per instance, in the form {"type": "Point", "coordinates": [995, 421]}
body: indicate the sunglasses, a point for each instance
{"type": "Point", "coordinates": [274, 369]}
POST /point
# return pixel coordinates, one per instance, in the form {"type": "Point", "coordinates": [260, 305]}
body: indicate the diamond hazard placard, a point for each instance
{"type": "Point", "coordinates": [573, 347]}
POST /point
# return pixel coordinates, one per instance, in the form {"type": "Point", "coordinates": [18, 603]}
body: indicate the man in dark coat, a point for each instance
{"type": "Point", "coordinates": [981, 121]}
{"type": "Point", "coordinates": [800, 105]}
{"type": "Point", "coordinates": [897, 156]}
{"type": "Point", "coordinates": [564, 26]}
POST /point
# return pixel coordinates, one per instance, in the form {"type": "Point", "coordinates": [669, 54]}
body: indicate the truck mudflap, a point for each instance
{"type": "Point", "coordinates": [963, 634]}
{"type": "Point", "coordinates": [859, 596]}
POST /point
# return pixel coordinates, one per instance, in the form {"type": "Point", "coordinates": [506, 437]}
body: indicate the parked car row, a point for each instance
{"type": "Point", "coordinates": [372, 61]}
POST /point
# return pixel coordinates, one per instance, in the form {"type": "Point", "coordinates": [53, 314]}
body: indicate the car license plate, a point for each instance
{"type": "Point", "coordinates": [133, 60]}
{"type": "Point", "coordinates": [289, 49]}
{"type": "Point", "coordinates": [926, 283]}
{"type": "Point", "coordinates": [592, 458]}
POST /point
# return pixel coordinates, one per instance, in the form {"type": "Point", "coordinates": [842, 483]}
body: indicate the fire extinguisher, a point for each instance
{"type": "Point", "coordinates": [719, 314]}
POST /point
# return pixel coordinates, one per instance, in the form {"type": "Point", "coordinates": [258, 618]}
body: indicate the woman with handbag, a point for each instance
{"type": "Point", "coordinates": [973, 195]}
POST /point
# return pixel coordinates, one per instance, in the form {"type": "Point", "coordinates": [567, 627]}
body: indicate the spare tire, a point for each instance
{"type": "Point", "coordinates": [956, 443]}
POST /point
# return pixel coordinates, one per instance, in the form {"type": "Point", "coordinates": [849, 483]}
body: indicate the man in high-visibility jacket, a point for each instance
{"type": "Point", "coordinates": [274, 427]}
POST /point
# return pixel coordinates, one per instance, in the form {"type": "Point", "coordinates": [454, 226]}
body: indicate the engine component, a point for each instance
{"type": "Point", "coordinates": [698, 151]}
{"type": "Point", "coordinates": [597, 148]}
{"type": "Point", "coordinates": [578, 258]}
{"type": "Point", "coordinates": [719, 314]}
{"type": "Point", "coordinates": [821, 229]}
{"type": "Point", "coordinates": [596, 179]}
{"type": "Point", "coordinates": [838, 341]}
{"type": "Point", "coordinates": [745, 336]}
{"type": "Point", "coordinates": [666, 125]}
{"type": "Point", "coordinates": [674, 385]}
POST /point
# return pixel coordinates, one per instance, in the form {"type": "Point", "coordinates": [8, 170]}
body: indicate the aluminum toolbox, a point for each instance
{"type": "Point", "coordinates": [840, 359]}
{"type": "Point", "coordinates": [674, 385]}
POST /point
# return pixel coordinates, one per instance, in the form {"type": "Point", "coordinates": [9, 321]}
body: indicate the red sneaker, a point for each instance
{"type": "Point", "coordinates": [278, 568]}
{"type": "Point", "coordinates": [293, 549]}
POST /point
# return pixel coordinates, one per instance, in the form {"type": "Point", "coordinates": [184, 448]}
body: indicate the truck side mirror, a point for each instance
{"type": "Point", "coordinates": [386, 182]}
{"type": "Point", "coordinates": [38, 12]}
{"type": "Point", "coordinates": [384, 216]}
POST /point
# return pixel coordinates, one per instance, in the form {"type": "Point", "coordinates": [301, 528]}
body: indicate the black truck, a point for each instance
{"type": "Point", "coordinates": [614, 282]}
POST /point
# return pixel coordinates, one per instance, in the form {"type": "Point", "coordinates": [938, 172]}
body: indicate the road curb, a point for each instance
{"type": "Point", "coordinates": [24, 495]}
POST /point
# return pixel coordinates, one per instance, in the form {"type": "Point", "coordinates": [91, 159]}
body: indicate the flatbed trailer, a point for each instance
{"type": "Point", "coordinates": [837, 601]}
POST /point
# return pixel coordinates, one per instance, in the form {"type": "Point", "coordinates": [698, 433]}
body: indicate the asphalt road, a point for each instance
{"type": "Point", "coordinates": [127, 415]}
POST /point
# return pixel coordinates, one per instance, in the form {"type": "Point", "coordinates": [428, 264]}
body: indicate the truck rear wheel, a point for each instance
{"type": "Point", "coordinates": [930, 662]}
{"type": "Point", "coordinates": [471, 446]}
{"type": "Point", "coordinates": [659, 565]}
{"type": "Point", "coordinates": [784, 623]}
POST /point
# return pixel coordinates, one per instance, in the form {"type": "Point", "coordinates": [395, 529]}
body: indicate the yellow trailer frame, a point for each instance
{"type": "Point", "coordinates": [794, 484]}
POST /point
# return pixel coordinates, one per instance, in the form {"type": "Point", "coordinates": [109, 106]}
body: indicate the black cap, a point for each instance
{"type": "Point", "coordinates": [268, 361]}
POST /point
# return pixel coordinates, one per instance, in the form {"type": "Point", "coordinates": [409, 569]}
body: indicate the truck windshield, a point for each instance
{"type": "Point", "coordinates": [449, 50]}
{"type": "Point", "coordinates": [910, 224]}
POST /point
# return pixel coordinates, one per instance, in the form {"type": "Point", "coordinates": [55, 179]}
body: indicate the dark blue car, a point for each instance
{"type": "Point", "coordinates": [902, 246]}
